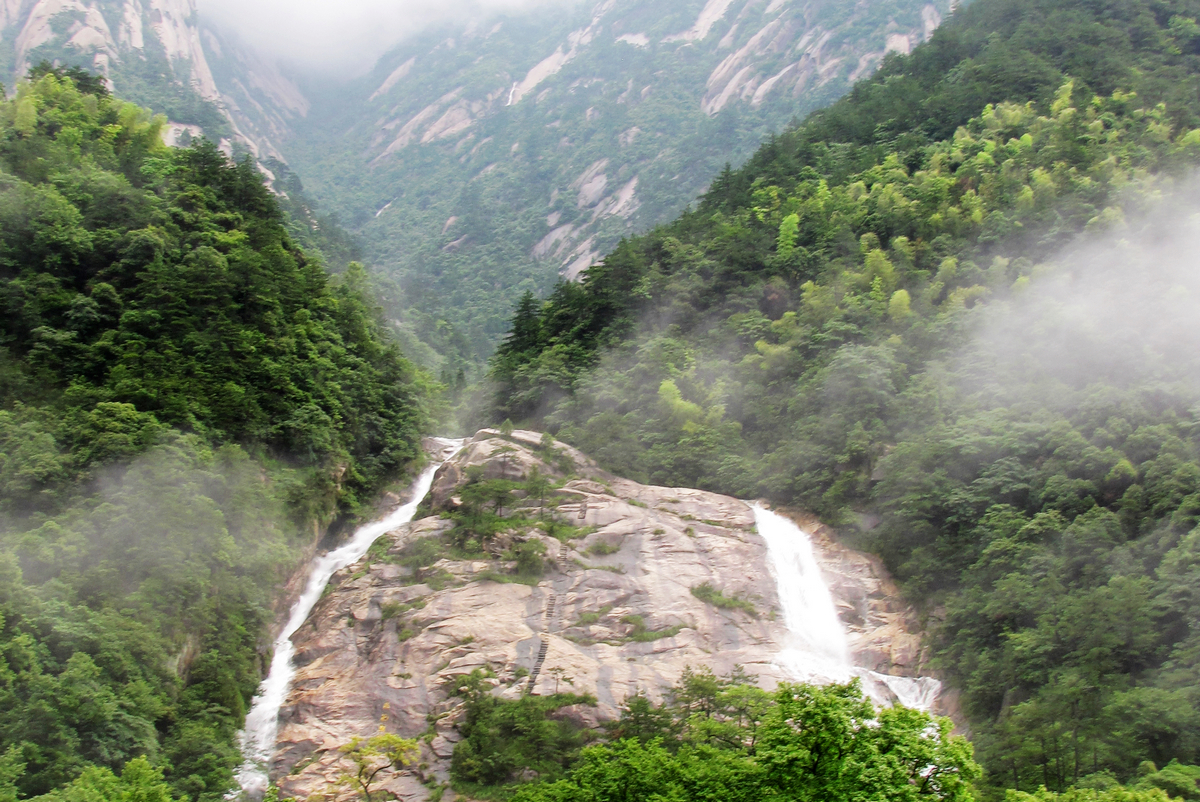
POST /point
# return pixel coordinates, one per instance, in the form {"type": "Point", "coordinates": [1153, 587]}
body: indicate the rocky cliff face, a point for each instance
{"type": "Point", "coordinates": [485, 160]}
{"type": "Point", "coordinates": [613, 613]}
{"type": "Point", "coordinates": [98, 33]}
{"type": "Point", "coordinates": [156, 53]}
{"type": "Point", "coordinates": [619, 86]}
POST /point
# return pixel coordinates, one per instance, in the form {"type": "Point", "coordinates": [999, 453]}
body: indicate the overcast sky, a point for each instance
{"type": "Point", "coordinates": [344, 35]}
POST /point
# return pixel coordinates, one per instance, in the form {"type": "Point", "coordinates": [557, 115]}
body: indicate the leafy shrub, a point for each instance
{"type": "Point", "coordinates": [705, 592]}
{"type": "Point", "coordinates": [502, 738]}
{"type": "Point", "coordinates": [642, 635]}
{"type": "Point", "coordinates": [531, 558]}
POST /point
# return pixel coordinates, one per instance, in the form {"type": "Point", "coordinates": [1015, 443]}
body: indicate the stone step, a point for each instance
{"type": "Point", "coordinates": [537, 666]}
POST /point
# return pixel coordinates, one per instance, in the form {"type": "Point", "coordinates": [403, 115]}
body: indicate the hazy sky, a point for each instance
{"type": "Point", "coordinates": [344, 35]}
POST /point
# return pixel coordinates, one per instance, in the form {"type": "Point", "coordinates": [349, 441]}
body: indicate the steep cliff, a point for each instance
{"type": "Point", "coordinates": [612, 612]}
{"type": "Point", "coordinates": [158, 54]}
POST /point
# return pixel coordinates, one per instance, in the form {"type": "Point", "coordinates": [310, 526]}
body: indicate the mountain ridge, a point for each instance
{"type": "Point", "coordinates": [158, 53]}
{"type": "Point", "coordinates": [432, 158]}
{"type": "Point", "coordinates": [501, 157]}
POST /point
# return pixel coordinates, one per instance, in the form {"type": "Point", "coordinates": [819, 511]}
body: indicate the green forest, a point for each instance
{"type": "Point", "coordinates": [453, 223]}
{"type": "Point", "coordinates": [951, 314]}
{"type": "Point", "coordinates": [943, 315]}
{"type": "Point", "coordinates": [187, 402]}
{"type": "Point", "coordinates": [715, 738]}
{"type": "Point", "coordinates": [724, 739]}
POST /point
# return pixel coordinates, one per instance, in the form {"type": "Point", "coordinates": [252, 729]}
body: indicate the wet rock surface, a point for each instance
{"type": "Point", "coordinates": [612, 615]}
{"type": "Point", "coordinates": [883, 631]}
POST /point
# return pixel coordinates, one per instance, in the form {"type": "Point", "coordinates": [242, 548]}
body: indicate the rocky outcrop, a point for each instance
{"type": "Point", "coordinates": [124, 40]}
{"type": "Point", "coordinates": [262, 104]}
{"type": "Point", "coordinates": [612, 615]}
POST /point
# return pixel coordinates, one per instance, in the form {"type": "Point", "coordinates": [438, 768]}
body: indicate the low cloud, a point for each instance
{"type": "Point", "coordinates": [346, 37]}
{"type": "Point", "coordinates": [1121, 308]}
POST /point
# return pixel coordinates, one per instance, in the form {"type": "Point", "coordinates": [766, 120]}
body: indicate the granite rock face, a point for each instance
{"type": "Point", "coordinates": [613, 615]}
{"type": "Point", "coordinates": [883, 632]}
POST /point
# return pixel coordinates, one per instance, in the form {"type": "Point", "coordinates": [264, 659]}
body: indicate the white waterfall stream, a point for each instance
{"type": "Point", "coordinates": [818, 651]}
{"type": "Point", "coordinates": [262, 722]}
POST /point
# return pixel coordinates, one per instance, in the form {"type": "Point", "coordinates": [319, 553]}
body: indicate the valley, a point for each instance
{"type": "Point", "coordinates": [497, 158]}
{"type": "Point", "coordinates": [827, 378]}
{"type": "Point", "coordinates": [466, 186]}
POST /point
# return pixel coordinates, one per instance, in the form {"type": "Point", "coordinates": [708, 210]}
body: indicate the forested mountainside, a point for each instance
{"type": "Point", "coordinates": [477, 162]}
{"type": "Point", "coordinates": [481, 161]}
{"type": "Point", "coordinates": [952, 313]}
{"type": "Point", "coordinates": [186, 401]}
{"type": "Point", "coordinates": [157, 53]}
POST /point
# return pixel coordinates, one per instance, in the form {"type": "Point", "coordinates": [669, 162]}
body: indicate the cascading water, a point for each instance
{"type": "Point", "coordinates": [262, 722]}
{"type": "Point", "coordinates": [819, 651]}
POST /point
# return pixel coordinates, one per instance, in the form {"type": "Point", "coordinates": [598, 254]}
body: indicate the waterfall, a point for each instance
{"type": "Point", "coordinates": [262, 722]}
{"type": "Point", "coordinates": [818, 650]}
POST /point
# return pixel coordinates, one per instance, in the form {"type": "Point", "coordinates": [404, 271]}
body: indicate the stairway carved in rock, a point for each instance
{"type": "Point", "coordinates": [553, 617]}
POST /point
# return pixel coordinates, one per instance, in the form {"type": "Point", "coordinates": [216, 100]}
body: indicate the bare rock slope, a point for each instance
{"type": "Point", "coordinates": [613, 614]}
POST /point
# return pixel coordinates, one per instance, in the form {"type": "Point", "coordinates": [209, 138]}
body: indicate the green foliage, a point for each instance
{"type": "Point", "coordinates": [139, 781]}
{"type": "Point", "coordinates": [151, 80]}
{"type": "Point", "coordinates": [503, 739]}
{"type": "Point", "coordinates": [185, 396]}
{"type": "Point", "coordinates": [531, 558]}
{"type": "Point", "coordinates": [821, 331]}
{"type": "Point", "coordinates": [1177, 780]}
{"type": "Point", "coordinates": [722, 739]}
{"type": "Point", "coordinates": [320, 235]}
{"type": "Point", "coordinates": [83, 80]}
{"type": "Point", "coordinates": [1085, 794]}
{"type": "Point", "coordinates": [640, 634]}
{"type": "Point", "coordinates": [588, 618]}
{"type": "Point", "coordinates": [272, 795]}
{"type": "Point", "coordinates": [602, 549]}
{"type": "Point", "coordinates": [421, 553]}
{"type": "Point", "coordinates": [481, 515]}
{"type": "Point", "coordinates": [705, 592]}
{"type": "Point", "coordinates": [371, 756]}
{"type": "Point", "coordinates": [105, 233]}
{"type": "Point", "coordinates": [718, 738]}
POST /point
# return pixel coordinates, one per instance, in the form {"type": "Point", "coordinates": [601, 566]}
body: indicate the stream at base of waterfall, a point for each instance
{"type": "Point", "coordinates": [262, 722]}
{"type": "Point", "coordinates": [818, 651]}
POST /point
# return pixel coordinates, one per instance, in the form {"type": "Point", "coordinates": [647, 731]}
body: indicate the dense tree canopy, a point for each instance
{"type": "Point", "coordinates": [185, 399]}
{"type": "Point", "coordinates": [715, 738]}
{"type": "Point", "coordinates": [949, 315]}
